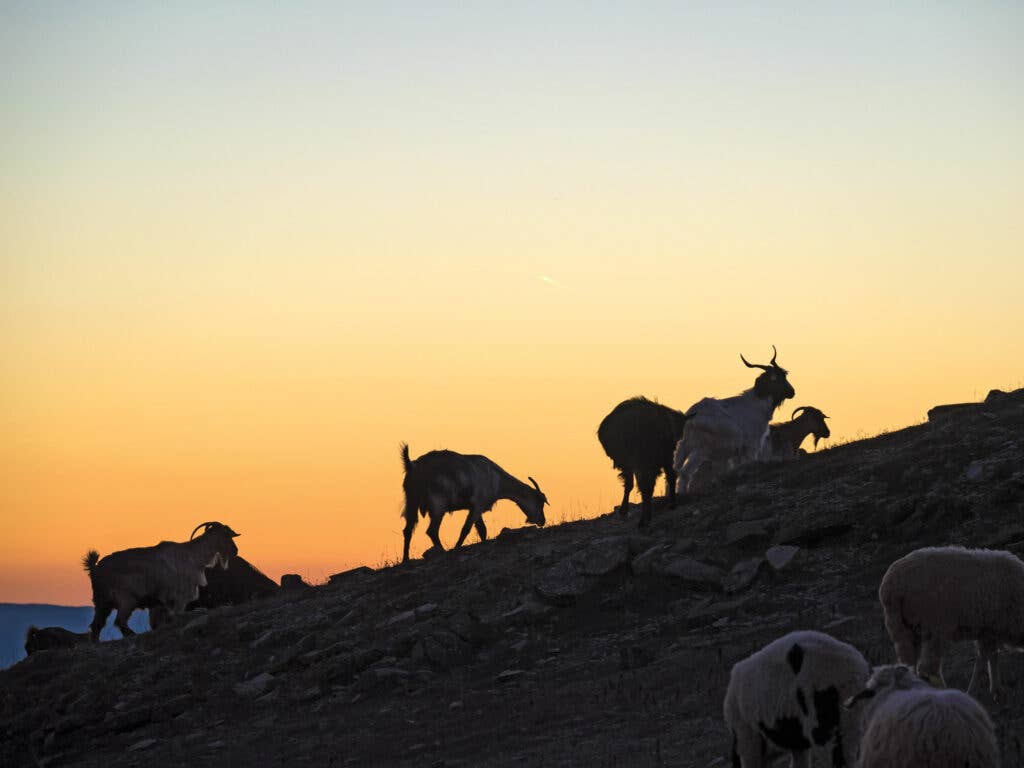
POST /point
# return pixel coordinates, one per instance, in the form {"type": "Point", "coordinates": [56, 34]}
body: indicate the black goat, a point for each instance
{"type": "Point", "coordinates": [639, 436]}
{"type": "Point", "coordinates": [49, 638]}
{"type": "Point", "coordinates": [439, 482]}
{"type": "Point", "coordinates": [241, 583]}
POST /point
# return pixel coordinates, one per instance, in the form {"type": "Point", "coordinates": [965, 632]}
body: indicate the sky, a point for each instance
{"type": "Point", "coordinates": [247, 249]}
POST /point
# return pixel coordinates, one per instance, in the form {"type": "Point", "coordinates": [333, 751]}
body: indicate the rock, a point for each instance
{"type": "Point", "coordinates": [427, 609]}
{"type": "Point", "coordinates": [255, 686]}
{"type": "Point", "coordinates": [813, 532]}
{"type": "Point", "coordinates": [405, 617]}
{"type": "Point", "coordinates": [682, 545]}
{"type": "Point", "coordinates": [138, 746]}
{"type": "Point", "coordinates": [263, 639]}
{"type": "Point", "coordinates": [196, 624]}
{"type": "Point", "coordinates": [508, 675]}
{"type": "Point", "coordinates": [602, 556]}
{"type": "Point", "coordinates": [748, 532]}
{"type": "Point", "coordinates": [691, 571]}
{"type": "Point", "coordinates": [350, 575]}
{"type": "Point", "coordinates": [940, 411]}
{"type": "Point", "coordinates": [470, 628]}
{"type": "Point", "coordinates": [780, 556]}
{"type": "Point", "coordinates": [563, 582]}
{"type": "Point", "coordinates": [639, 543]}
{"type": "Point", "coordinates": [433, 553]}
{"type": "Point", "coordinates": [975, 472]}
{"type": "Point", "coordinates": [644, 563]}
{"type": "Point", "coordinates": [1008, 534]}
{"type": "Point", "coordinates": [743, 574]}
{"type": "Point", "coordinates": [292, 582]}
{"type": "Point", "coordinates": [378, 677]}
{"type": "Point", "coordinates": [128, 720]}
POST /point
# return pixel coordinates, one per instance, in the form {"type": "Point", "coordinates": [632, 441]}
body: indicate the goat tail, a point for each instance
{"type": "Point", "coordinates": [89, 561]}
{"type": "Point", "coordinates": [406, 461]}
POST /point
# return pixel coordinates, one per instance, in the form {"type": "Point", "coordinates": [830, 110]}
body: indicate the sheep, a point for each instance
{"type": "Point", "coordinates": [168, 574]}
{"type": "Point", "coordinates": [784, 439]}
{"type": "Point", "coordinates": [908, 724]}
{"type": "Point", "coordinates": [639, 436]}
{"type": "Point", "coordinates": [732, 430]}
{"type": "Point", "coordinates": [239, 584]}
{"type": "Point", "coordinates": [49, 638]}
{"type": "Point", "coordinates": [940, 595]}
{"type": "Point", "coordinates": [789, 695]}
{"type": "Point", "coordinates": [439, 482]}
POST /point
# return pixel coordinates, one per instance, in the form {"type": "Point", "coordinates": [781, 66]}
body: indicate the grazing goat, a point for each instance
{"type": "Point", "coordinates": [439, 482]}
{"type": "Point", "coordinates": [49, 638]}
{"type": "Point", "coordinates": [239, 584]}
{"type": "Point", "coordinates": [732, 430]}
{"type": "Point", "coordinates": [784, 439]}
{"type": "Point", "coordinates": [639, 436]}
{"type": "Point", "coordinates": [168, 574]}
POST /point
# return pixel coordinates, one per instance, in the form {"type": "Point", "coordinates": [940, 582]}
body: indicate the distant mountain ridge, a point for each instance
{"type": "Point", "coordinates": [15, 619]}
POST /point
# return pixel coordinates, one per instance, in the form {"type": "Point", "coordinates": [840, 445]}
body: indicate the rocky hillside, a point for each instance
{"type": "Point", "coordinates": [583, 644]}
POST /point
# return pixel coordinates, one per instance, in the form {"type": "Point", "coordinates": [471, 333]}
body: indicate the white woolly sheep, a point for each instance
{"type": "Point", "coordinates": [940, 595]}
{"type": "Point", "coordinates": [908, 724]}
{"type": "Point", "coordinates": [789, 695]}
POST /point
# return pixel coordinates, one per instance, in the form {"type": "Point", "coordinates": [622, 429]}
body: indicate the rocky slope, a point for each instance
{"type": "Point", "coordinates": [582, 644]}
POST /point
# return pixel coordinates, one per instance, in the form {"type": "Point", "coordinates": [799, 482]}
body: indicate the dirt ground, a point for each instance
{"type": "Point", "coordinates": [585, 644]}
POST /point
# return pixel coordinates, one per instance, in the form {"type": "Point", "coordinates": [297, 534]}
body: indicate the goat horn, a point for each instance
{"type": "Point", "coordinates": [754, 365]}
{"type": "Point", "coordinates": [774, 355]}
{"type": "Point", "coordinates": [535, 484]}
{"type": "Point", "coordinates": [797, 410]}
{"type": "Point", "coordinates": [204, 526]}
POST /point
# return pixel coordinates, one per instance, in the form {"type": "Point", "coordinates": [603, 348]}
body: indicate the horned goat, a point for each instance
{"type": "Point", "coordinates": [789, 696]}
{"type": "Point", "coordinates": [639, 436]}
{"type": "Point", "coordinates": [723, 433]}
{"type": "Point", "coordinates": [49, 638]}
{"type": "Point", "coordinates": [168, 574]}
{"type": "Point", "coordinates": [908, 724]}
{"type": "Point", "coordinates": [439, 482]}
{"type": "Point", "coordinates": [784, 438]}
{"type": "Point", "coordinates": [940, 595]}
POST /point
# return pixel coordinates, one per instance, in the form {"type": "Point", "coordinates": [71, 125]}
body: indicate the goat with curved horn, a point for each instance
{"type": "Point", "coordinates": [439, 482]}
{"type": "Point", "coordinates": [168, 575]}
{"type": "Point", "coordinates": [721, 433]}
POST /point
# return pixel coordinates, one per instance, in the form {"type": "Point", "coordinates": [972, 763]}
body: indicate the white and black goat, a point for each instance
{"type": "Point", "coordinates": [784, 439]}
{"type": "Point", "coordinates": [723, 433]}
{"type": "Point", "coordinates": [168, 575]}
{"type": "Point", "coordinates": [639, 436]}
{"type": "Point", "coordinates": [440, 482]}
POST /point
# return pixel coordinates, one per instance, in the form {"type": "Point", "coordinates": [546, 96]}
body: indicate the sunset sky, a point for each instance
{"type": "Point", "coordinates": [249, 248]}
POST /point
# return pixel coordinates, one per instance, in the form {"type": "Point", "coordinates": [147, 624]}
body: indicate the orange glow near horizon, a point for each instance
{"type": "Point", "coordinates": [233, 282]}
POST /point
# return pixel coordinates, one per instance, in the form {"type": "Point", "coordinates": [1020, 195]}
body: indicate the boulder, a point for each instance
{"type": "Point", "coordinates": [644, 563]}
{"type": "Point", "coordinates": [602, 556]}
{"type": "Point", "coordinates": [255, 686]}
{"type": "Point", "coordinates": [691, 571]}
{"type": "Point", "coordinates": [743, 574]}
{"type": "Point", "coordinates": [748, 532]}
{"type": "Point", "coordinates": [293, 582]}
{"type": "Point", "coordinates": [563, 582]}
{"type": "Point", "coordinates": [779, 557]}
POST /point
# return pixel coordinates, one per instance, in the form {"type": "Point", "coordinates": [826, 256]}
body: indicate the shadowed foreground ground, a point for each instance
{"type": "Point", "coordinates": [584, 644]}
